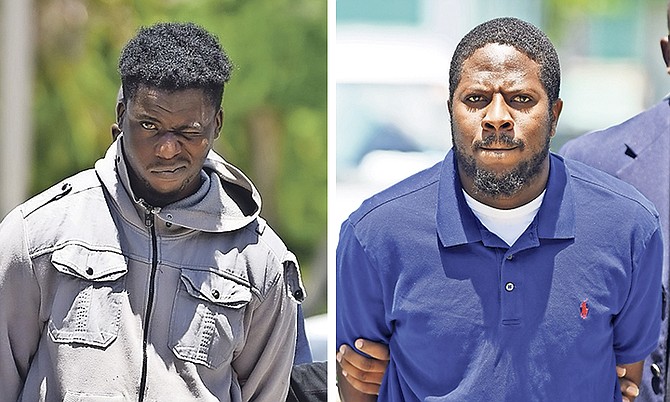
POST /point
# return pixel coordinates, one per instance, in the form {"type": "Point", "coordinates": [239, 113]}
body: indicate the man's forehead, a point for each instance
{"type": "Point", "coordinates": [180, 99]}
{"type": "Point", "coordinates": [502, 55]}
{"type": "Point", "coordinates": [502, 62]}
{"type": "Point", "coordinates": [184, 108]}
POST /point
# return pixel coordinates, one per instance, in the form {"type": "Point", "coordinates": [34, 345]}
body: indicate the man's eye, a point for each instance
{"type": "Point", "coordinates": [148, 126]}
{"type": "Point", "coordinates": [191, 134]}
{"type": "Point", "coordinates": [522, 99]}
{"type": "Point", "coordinates": [474, 98]}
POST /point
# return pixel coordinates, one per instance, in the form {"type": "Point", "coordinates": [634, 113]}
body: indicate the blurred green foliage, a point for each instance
{"type": "Point", "coordinates": [560, 13]}
{"type": "Point", "coordinates": [275, 104]}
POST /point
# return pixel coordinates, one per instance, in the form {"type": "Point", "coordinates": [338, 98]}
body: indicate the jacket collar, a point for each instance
{"type": "Point", "coordinates": [226, 201]}
{"type": "Point", "coordinates": [655, 123]}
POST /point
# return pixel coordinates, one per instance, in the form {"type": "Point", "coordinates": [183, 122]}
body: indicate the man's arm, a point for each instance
{"type": "Point", "coordinates": [637, 326]}
{"type": "Point", "coordinates": [360, 310]}
{"type": "Point", "coordinates": [20, 327]}
{"type": "Point", "coordinates": [264, 365]}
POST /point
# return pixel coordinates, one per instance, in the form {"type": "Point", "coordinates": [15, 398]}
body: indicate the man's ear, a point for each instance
{"type": "Point", "coordinates": [219, 123]}
{"type": "Point", "coordinates": [116, 127]}
{"type": "Point", "coordinates": [115, 131]}
{"type": "Point", "coordinates": [556, 109]}
{"type": "Point", "coordinates": [665, 50]}
{"type": "Point", "coordinates": [120, 112]}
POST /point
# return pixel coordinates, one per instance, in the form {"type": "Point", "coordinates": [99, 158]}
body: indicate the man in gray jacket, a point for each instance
{"type": "Point", "coordinates": [151, 276]}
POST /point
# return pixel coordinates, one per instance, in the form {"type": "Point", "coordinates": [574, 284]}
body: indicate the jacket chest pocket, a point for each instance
{"type": "Point", "coordinates": [207, 317]}
{"type": "Point", "coordinates": [87, 305]}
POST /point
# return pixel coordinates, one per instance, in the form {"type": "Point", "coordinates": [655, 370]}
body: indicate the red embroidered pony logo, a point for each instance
{"type": "Point", "coordinates": [584, 309]}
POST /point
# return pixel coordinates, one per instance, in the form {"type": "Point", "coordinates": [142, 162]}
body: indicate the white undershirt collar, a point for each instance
{"type": "Point", "coordinates": [508, 224]}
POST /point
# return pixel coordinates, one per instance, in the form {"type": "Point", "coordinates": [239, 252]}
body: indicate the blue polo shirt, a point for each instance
{"type": "Point", "coordinates": [469, 318]}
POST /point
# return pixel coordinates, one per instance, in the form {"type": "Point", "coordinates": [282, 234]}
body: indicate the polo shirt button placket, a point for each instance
{"type": "Point", "coordinates": [511, 302]}
{"type": "Point", "coordinates": [509, 286]}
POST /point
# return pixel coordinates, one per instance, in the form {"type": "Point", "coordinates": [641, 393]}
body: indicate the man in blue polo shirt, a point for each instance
{"type": "Point", "coordinates": [504, 272]}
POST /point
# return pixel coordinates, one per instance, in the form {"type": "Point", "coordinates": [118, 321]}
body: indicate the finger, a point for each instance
{"type": "Point", "coordinates": [364, 387]}
{"type": "Point", "coordinates": [620, 371]}
{"type": "Point", "coordinates": [628, 388]}
{"type": "Point", "coordinates": [360, 375]}
{"type": "Point", "coordinates": [363, 363]}
{"type": "Point", "coordinates": [377, 350]}
{"type": "Point", "coordinates": [362, 381]}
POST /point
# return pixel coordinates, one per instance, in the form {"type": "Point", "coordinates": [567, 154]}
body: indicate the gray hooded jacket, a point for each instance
{"type": "Point", "coordinates": [105, 299]}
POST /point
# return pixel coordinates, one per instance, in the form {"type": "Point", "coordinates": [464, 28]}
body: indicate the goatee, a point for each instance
{"type": "Point", "coordinates": [505, 184]}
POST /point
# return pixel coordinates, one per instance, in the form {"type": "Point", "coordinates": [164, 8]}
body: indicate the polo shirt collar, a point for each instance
{"type": "Point", "coordinates": [555, 219]}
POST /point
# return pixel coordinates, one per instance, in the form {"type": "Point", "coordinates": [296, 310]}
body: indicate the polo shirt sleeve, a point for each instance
{"type": "Point", "coordinates": [360, 304]}
{"type": "Point", "coordinates": [637, 326]}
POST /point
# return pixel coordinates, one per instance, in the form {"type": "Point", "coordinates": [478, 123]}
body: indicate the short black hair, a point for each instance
{"type": "Point", "coordinates": [174, 56]}
{"type": "Point", "coordinates": [523, 36]}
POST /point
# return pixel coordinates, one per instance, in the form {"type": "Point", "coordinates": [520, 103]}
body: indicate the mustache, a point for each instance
{"type": "Point", "coordinates": [501, 139]}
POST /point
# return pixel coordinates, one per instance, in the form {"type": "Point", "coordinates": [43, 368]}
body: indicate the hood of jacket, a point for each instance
{"type": "Point", "coordinates": [226, 201]}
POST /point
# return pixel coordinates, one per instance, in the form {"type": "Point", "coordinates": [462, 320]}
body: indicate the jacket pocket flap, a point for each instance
{"type": "Point", "coordinates": [89, 264]}
{"type": "Point", "coordinates": [215, 288]}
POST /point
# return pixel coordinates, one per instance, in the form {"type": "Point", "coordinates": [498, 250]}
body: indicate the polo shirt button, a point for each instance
{"type": "Point", "coordinates": [655, 370]}
{"type": "Point", "coordinates": [510, 257]}
{"type": "Point", "coordinates": [656, 379]}
{"type": "Point", "coordinates": [509, 286]}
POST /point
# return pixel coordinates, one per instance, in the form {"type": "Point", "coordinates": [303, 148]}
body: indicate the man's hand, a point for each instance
{"type": "Point", "coordinates": [629, 380]}
{"type": "Point", "coordinates": [362, 373]}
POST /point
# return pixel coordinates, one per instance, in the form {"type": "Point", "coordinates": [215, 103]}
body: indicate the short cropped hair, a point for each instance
{"type": "Point", "coordinates": [174, 56]}
{"type": "Point", "coordinates": [523, 36]}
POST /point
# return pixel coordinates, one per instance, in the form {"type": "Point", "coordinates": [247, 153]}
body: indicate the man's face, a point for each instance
{"type": "Point", "coordinates": [166, 138]}
{"type": "Point", "coordinates": [501, 125]}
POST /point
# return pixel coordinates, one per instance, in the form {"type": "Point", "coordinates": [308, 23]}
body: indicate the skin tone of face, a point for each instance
{"type": "Point", "coordinates": [501, 125]}
{"type": "Point", "coordinates": [166, 138]}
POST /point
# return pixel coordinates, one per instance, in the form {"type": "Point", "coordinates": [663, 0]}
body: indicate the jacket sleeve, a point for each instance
{"type": "Point", "coordinates": [264, 364]}
{"type": "Point", "coordinates": [20, 326]}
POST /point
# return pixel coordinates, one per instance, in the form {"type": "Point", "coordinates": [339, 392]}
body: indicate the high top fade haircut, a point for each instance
{"type": "Point", "coordinates": [524, 37]}
{"type": "Point", "coordinates": [174, 56]}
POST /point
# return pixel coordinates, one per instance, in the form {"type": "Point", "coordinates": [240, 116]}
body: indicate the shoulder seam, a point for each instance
{"type": "Point", "coordinates": [614, 191]}
{"type": "Point", "coordinates": [391, 199]}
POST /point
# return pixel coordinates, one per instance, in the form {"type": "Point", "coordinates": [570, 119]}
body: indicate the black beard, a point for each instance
{"type": "Point", "coordinates": [503, 185]}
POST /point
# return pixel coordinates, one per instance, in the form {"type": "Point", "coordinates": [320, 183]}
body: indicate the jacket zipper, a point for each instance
{"type": "Point", "coordinates": [149, 222]}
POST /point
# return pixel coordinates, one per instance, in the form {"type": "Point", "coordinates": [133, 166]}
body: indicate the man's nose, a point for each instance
{"type": "Point", "coordinates": [168, 146]}
{"type": "Point", "coordinates": [497, 118]}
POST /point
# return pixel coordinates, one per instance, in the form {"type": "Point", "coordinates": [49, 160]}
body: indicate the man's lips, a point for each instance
{"type": "Point", "coordinates": [168, 170]}
{"type": "Point", "coordinates": [498, 149]}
